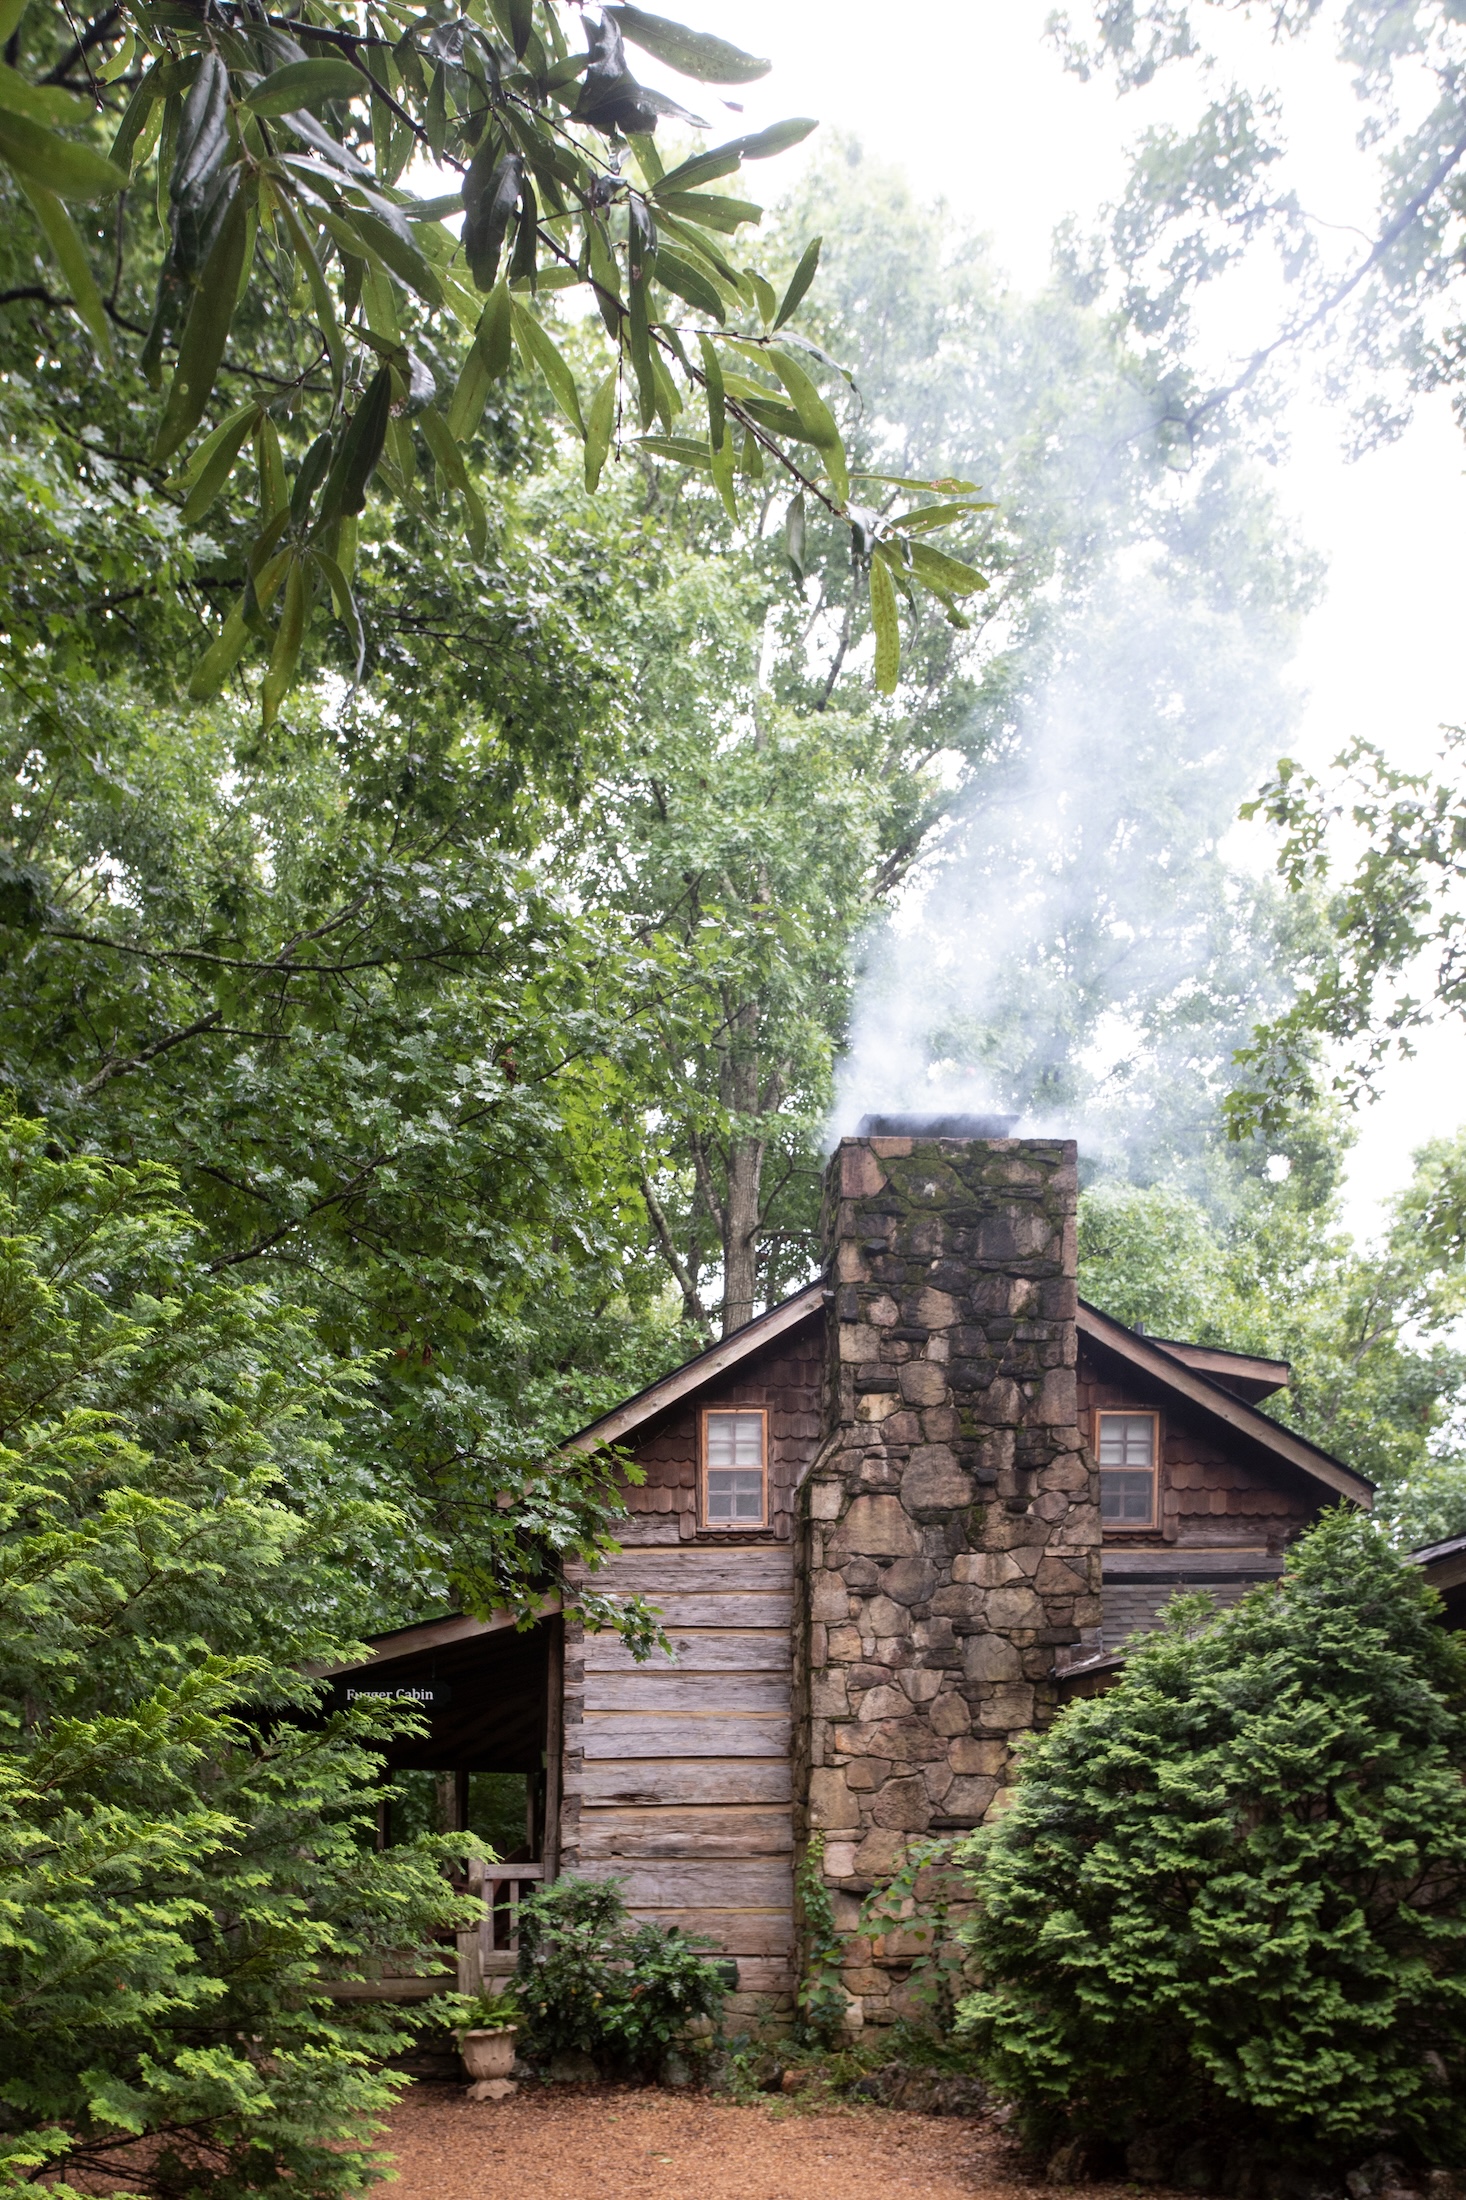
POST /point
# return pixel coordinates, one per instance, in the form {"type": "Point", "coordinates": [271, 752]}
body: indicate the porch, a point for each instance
{"type": "Point", "coordinates": [490, 1697]}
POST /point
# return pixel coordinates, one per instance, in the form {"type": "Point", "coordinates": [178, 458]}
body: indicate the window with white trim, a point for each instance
{"type": "Point", "coordinates": [1128, 1445]}
{"type": "Point", "coordinates": [735, 1468]}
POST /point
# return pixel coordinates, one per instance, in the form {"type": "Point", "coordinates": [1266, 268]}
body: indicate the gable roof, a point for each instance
{"type": "Point", "coordinates": [1250, 1376]}
{"type": "Point", "coordinates": [1162, 1363]}
{"type": "Point", "coordinates": [1443, 1564]}
{"type": "Point", "coordinates": [718, 1358]}
{"type": "Point", "coordinates": [1199, 1375]}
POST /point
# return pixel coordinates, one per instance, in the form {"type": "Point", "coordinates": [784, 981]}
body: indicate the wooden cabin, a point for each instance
{"type": "Point", "coordinates": [889, 1526]}
{"type": "Point", "coordinates": [1444, 1567]}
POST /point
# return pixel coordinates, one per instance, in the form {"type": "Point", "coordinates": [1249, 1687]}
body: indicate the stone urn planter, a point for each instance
{"type": "Point", "coordinates": [488, 2054]}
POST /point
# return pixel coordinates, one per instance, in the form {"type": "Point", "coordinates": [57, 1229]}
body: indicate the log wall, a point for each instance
{"type": "Point", "coordinates": [677, 1772]}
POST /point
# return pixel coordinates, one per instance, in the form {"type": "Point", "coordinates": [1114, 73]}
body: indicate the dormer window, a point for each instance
{"type": "Point", "coordinates": [735, 1469]}
{"type": "Point", "coordinates": [1128, 1445]}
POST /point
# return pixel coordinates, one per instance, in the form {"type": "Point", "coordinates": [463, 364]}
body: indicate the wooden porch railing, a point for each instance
{"type": "Point", "coordinates": [488, 1953]}
{"type": "Point", "coordinates": [492, 1951]}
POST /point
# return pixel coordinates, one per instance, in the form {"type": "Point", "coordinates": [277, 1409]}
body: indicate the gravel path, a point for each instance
{"type": "Point", "coordinates": [606, 2143]}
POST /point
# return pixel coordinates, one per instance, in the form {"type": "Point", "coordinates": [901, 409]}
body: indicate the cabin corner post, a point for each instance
{"type": "Point", "coordinates": [950, 1524]}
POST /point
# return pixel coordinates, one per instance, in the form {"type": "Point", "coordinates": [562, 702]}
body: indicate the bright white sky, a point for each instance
{"type": "Point", "coordinates": [968, 98]}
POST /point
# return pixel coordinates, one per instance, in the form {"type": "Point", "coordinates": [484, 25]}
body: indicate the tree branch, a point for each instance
{"type": "Point", "coordinates": [124, 1063]}
{"type": "Point", "coordinates": [697, 1312]}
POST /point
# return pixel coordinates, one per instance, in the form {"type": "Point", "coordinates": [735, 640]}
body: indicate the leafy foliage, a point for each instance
{"type": "Point", "coordinates": [592, 1983]}
{"type": "Point", "coordinates": [369, 337]}
{"type": "Point", "coordinates": [1384, 314]}
{"type": "Point", "coordinates": [767, 812]}
{"type": "Point", "coordinates": [1392, 917]}
{"type": "Point", "coordinates": [1236, 1884]}
{"type": "Point", "coordinates": [820, 1997]}
{"type": "Point", "coordinates": [185, 1848]}
{"type": "Point", "coordinates": [1377, 1378]}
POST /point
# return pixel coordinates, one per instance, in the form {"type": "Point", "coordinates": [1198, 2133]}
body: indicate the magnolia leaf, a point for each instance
{"type": "Point", "coordinates": [270, 463]}
{"type": "Point", "coordinates": [205, 333]}
{"type": "Point", "coordinates": [941, 572]}
{"type": "Point", "coordinates": [712, 369]}
{"type": "Point", "coordinates": [794, 537]}
{"type": "Point", "coordinates": [724, 215]}
{"type": "Point", "coordinates": [724, 459]}
{"type": "Point", "coordinates": [679, 275]}
{"type": "Point", "coordinates": [681, 449]}
{"type": "Point", "coordinates": [358, 452]}
{"type": "Point", "coordinates": [599, 428]}
{"type": "Point", "coordinates": [57, 164]}
{"type": "Point", "coordinates": [345, 603]}
{"type": "Point", "coordinates": [539, 350]}
{"type": "Point", "coordinates": [799, 281]}
{"type": "Point", "coordinates": [320, 290]}
{"type": "Point", "coordinates": [947, 485]}
{"type": "Point", "coordinates": [444, 449]}
{"type": "Point", "coordinates": [491, 192]}
{"type": "Point", "coordinates": [214, 462]}
{"type": "Point", "coordinates": [887, 623]}
{"type": "Point", "coordinates": [778, 138]}
{"type": "Point", "coordinates": [638, 337]}
{"type": "Point", "coordinates": [42, 102]}
{"type": "Point", "coordinates": [306, 84]}
{"type": "Point", "coordinates": [224, 653]}
{"type": "Point", "coordinates": [289, 635]}
{"type": "Point", "coordinates": [399, 252]}
{"type": "Point", "coordinates": [924, 516]}
{"type": "Point", "coordinates": [71, 257]}
{"type": "Point", "coordinates": [488, 359]}
{"type": "Point", "coordinates": [475, 519]}
{"type": "Point", "coordinates": [691, 53]}
{"type": "Point", "coordinates": [818, 420]}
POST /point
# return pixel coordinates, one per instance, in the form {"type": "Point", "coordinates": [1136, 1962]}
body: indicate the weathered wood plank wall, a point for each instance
{"type": "Point", "coordinates": [677, 1773]}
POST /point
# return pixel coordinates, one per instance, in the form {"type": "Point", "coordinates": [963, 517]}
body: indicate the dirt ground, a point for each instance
{"type": "Point", "coordinates": [605, 2143]}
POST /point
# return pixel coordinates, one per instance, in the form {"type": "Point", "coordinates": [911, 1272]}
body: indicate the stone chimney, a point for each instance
{"type": "Point", "coordinates": [951, 1519]}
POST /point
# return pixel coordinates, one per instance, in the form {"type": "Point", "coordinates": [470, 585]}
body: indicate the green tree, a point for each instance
{"type": "Point", "coordinates": [328, 983]}
{"type": "Point", "coordinates": [765, 811]}
{"type": "Point", "coordinates": [1230, 1897]}
{"type": "Point", "coordinates": [1377, 1377]}
{"type": "Point", "coordinates": [320, 314]}
{"type": "Point", "coordinates": [186, 1844]}
{"type": "Point", "coordinates": [1389, 960]}
{"type": "Point", "coordinates": [1382, 314]}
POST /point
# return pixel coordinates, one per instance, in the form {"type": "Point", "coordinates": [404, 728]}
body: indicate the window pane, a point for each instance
{"type": "Point", "coordinates": [735, 1493]}
{"type": "Point", "coordinates": [1126, 1498]}
{"type": "Point", "coordinates": [1126, 1440]}
{"type": "Point", "coordinates": [735, 1439]}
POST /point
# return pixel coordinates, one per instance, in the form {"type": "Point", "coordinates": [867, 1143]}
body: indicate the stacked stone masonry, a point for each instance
{"type": "Point", "coordinates": [950, 1522]}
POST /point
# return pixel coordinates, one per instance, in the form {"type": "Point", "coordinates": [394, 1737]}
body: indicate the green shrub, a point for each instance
{"type": "Point", "coordinates": [484, 2012]}
{"type": "Point", "coordinates": [1229, 1896]}
{"type": "Point", "coordinates": [181, 1855]}
{"type": "Point", "coordinates": [593, 1983]}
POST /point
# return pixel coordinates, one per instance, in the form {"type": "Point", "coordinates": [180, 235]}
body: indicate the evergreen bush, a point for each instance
{"type": "Point", "coordinates": [186, 1846]}
{"type": "Point", "coordinates": [1226, 1914]}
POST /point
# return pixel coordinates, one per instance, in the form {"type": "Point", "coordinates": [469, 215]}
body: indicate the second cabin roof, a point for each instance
{"type": "Point", "coordinates": [1217, 1384]}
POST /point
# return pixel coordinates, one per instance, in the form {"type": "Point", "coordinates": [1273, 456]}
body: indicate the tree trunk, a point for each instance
{"type": "Point", "coordinates": [740, 1236]}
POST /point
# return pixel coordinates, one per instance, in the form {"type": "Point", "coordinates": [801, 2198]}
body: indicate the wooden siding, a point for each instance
{"type": "Point", "coordinates": [677, 1772]}
{"type": "Point", "coordinates": [1223, 1523]}
{"type": "Point", "coordinates": [783, 1378]}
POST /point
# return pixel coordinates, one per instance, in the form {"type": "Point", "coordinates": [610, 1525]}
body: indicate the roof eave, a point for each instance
{"type": "Point", "coordinates": [1164, 1367]}
{"type": "Point", "coordinates": [763, 1330]}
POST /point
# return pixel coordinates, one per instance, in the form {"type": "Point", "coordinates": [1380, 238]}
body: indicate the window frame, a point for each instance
{"type": "Point", "coordinates": [731, 1527]}
{"type": "Point", "coordinates": [1132, 1413]}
